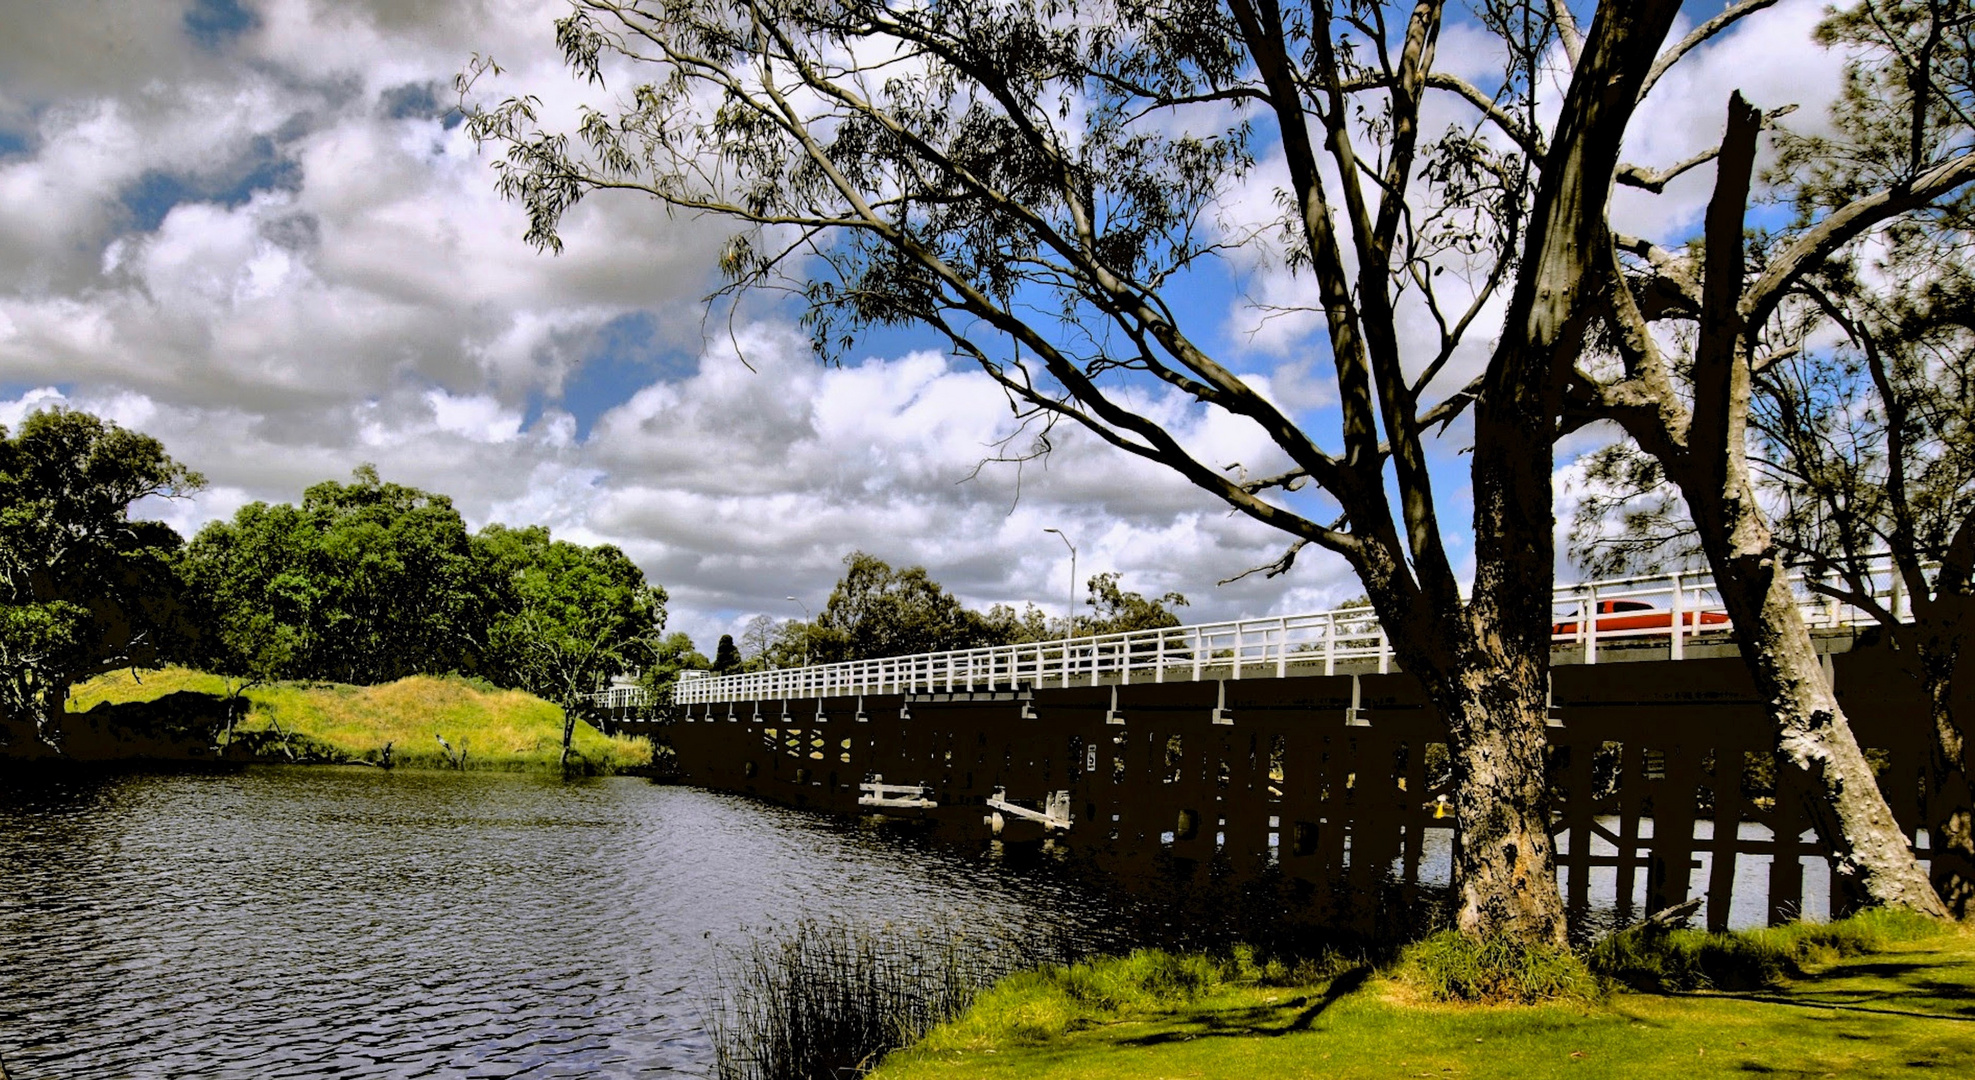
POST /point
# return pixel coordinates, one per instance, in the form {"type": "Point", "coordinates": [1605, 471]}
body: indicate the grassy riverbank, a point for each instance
{"type": "Point", "coordinates": [1908, 1003]}
{"type": "Point", "coordinates": [499, 729]}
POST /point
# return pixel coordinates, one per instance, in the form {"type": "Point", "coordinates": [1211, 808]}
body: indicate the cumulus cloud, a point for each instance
{"type": "Point", "coordinates": [258, 234]}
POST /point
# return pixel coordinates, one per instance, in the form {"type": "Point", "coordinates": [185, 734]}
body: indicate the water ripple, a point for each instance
{"type": "Point", "coordinates": [356, 923]}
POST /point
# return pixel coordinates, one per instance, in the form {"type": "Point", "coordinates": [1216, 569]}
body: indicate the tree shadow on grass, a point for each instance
{"type": "Point", "coordinates": [1259, 1020]}
{"type": "Point", "coordinates": [1922, 988]}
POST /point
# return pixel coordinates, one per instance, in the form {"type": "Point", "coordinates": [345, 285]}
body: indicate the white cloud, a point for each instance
{"type": "Point", "coordinates": [338, 282]}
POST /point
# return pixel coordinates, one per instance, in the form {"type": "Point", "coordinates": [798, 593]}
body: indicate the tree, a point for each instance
{"type": "Point", "coordinates": [84, 589]}
{"type": "Point", "coordinates": [674, 654]}
{"type": "Point", "coordinates": [1864, 453]}
{"type": "Point", "coordinates": [1902, 145]}
{"type": "Point", "coordinates": [1115, 611]}
{"type": "Point", "coordinates": [726, 658]}
{"type": "Point", "coordinates": [364, 582]}
{"type": "Point", "coordinates": [1003, 625]}
{"type": "Point", "coordinates": [875, 611]}
{"type": "Point", "coordinates": [1870, 448]}
{"type": "Point", "coordinates": [571, 617]}
{"type": "Point", "coordinates": [758, 639]}
{"type": "Point", "coordinates": [1035, 184]}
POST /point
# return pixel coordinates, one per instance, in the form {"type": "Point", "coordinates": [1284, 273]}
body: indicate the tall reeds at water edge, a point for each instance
{"type": "Point", "coordinates": [827, 1000]}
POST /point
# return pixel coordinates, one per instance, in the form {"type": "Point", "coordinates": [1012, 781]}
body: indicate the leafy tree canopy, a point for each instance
{"type": "Point", "coordinates": [364, 582]}
{"type": "Point", "coordinates": [876, 610]}
{"type": "Point", "coordinates": [1116, 611]}
{"type": "Point", "coordinates": [83, 587]}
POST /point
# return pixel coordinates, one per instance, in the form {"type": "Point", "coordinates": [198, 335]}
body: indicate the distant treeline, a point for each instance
{"type": "Point", "coordinates": [363, 582]}
{"type": "Point", "coordinates": [877, 610]}
{"type": "Point", "coordinates": [367, 581]}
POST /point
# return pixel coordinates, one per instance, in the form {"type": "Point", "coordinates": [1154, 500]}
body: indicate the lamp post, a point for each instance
{"type": "Point", "coordinates": [1070, 612]}
{"type": "Point", "coordinates": [807, 618]}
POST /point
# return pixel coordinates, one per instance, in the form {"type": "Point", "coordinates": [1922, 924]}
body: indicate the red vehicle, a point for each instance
{"type": "Point", "coordinates": [1640, 619]}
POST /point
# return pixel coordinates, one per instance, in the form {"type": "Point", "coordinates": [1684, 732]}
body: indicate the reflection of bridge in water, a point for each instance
{"type": "Point", "coordinates": [1294, 744]}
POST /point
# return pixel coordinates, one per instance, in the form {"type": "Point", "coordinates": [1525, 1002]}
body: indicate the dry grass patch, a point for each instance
{"type": "Point", "coordinates": [498, 729]}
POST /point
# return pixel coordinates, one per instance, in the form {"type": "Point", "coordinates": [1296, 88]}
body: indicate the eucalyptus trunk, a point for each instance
{"type": "Point", "coordinates": [1814, 738]}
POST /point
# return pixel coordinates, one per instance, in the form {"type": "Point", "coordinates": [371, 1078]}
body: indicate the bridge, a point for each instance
{"type": "Point", "coordinates": [1295, 745]}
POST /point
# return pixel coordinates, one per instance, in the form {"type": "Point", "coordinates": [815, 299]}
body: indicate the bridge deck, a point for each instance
{"type": "Point", "coordinates": [1671, 616]}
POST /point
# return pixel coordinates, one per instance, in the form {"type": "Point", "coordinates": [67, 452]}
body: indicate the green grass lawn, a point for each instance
{"type": "Point", "coordinates": [500, 729]}
{"type": "Point", "coordinates": [1906, 1009]}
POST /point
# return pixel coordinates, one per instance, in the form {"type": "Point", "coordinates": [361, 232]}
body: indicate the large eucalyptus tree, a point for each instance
{"type": "Point", "coordinates": [1040, 184]}
{"type": "Point", "coordinates": [1686, 337]}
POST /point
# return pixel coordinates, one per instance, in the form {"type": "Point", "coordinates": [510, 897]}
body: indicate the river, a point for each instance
{"type": "Point", "coordinates": [294, 922]}
{"type": "Point", "coordinates": [317, 922]}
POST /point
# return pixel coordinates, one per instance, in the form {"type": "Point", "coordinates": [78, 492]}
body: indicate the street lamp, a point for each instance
{"type": "Point", "coordinates": [807, 618]}
{"type": "Point", "coordinates": [1070, 612]}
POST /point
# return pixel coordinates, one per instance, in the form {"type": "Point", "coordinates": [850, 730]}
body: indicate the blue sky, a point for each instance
{"type": "Point", "coordinates": [250, 227]}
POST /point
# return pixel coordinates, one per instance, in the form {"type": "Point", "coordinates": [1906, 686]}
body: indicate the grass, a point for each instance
{"type": "Point", "coordinates": [1877, 996]}
{"type": "Point", "coordinates": [499, 729]}
{"type": "Point", "coordinates": [1644, 958]}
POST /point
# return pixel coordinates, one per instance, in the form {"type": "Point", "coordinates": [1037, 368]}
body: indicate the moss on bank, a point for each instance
{"type": "Point", "coordinates": [1863, 998]}
{"type": "Point", "coordinates": [498, 729]}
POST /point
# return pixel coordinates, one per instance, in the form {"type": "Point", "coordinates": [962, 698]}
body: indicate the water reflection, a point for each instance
{"type": "Point", "coordinates": [314, 922]}
{"type": "Point", "coordinates": [310, 922]}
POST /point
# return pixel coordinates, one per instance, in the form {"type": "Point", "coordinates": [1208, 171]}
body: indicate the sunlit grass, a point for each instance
{"type": "Point", "coordinates": [1878, 996]}
{"type": "Point", "coordinates": [499, 729]}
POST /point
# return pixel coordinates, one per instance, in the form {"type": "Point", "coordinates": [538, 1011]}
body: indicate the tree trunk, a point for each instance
{"type": "Point", "coordinates": [1951, 829]}
{"type": "Point", "coordinates": [1506, 860]}
{"type": "Point", "coordinates": [1813, 736]}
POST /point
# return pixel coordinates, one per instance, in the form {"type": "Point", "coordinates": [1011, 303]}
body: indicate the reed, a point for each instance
{"type": "Point", "coordinates": [830, 999]}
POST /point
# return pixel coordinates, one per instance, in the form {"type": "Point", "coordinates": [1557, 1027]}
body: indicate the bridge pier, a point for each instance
{"type": "Point", "coordinates": [1661, 770]}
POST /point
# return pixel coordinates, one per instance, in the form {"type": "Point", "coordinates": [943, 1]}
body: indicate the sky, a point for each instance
{"type": "Point", "coordinates": [256, 230]}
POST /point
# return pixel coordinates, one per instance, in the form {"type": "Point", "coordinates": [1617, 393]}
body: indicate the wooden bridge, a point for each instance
{"type": "Point", "coordinates": [1294, 745]}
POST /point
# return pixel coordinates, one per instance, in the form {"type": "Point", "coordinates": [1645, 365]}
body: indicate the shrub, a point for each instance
{"type": "Point", "coordinates": [1656, 959]}
{"type": "Point", "coordinates": [1450, 966]}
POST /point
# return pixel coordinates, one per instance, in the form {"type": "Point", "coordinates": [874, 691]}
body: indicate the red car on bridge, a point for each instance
{"type": "Point", "coordinates": [1636, 618]}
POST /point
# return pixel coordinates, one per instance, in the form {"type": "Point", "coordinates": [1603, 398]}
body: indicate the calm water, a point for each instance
{"type": "Point", "coordinates": [332, 922]}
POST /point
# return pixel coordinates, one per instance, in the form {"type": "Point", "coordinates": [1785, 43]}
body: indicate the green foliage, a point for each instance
{"type": "Point", "coordinates": [726, 657]}
{"type": "Point", "coordinates": [1654, 958]}
{"type": "Point", "coordinates": [876, 610]}
{"type": "Point", "coordinates": [368, 582]}
{"type": "Point", "coordinates": [1452, 966]}
{"type": "Point", "coordinates": [672, 654]}
{"type": "Point", "coordinates": [1115, 611]}
{"type": "Point", "coordinates": [83, 587]}
{"type": "Point", "coordinates": [1006, 626]}
{"type": "Point", "coordinates": [363, 583]}
{"type": "Point", "coordinates": [564, 617]}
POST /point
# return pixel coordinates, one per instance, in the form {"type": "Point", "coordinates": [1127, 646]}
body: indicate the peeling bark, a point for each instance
{"type": "Point", "coordinates": [1814, 738]}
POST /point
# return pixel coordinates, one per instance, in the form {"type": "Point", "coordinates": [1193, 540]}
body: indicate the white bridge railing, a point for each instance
{"type": "Point", "coordinates": [1667, 609]}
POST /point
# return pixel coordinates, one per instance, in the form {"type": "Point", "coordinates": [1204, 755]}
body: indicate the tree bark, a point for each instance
{"type": "Point", "coordinates": [1506, 859]}
{"type": "Point", "coordinates": [1814, 738]}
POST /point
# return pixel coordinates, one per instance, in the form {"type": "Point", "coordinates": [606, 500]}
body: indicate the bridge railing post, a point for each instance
{"type": "Point", "coordinates": [1679, 606]}
{"type": "Point", "coordinates": [1589, 625]}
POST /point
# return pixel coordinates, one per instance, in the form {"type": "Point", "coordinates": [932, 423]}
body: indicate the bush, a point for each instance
{"type": "Point", "coordinates": [1656, 959]}
{"type": "Point", "coordinates": [1450, 966]}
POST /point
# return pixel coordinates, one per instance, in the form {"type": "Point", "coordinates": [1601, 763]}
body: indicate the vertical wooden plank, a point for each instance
{"type": "Point", "coordinates": [1578, 811]}
{"type": "Point", "coordinates": [1729, 762]}
{"type": "Point", "coordinates": [1632, 795]}
{"type": "Point", "coordinates": [1786, 874]}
